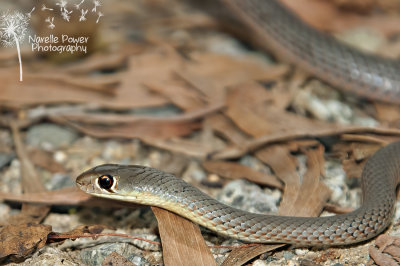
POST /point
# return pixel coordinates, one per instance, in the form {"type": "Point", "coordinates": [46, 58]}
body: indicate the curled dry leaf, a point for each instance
{"type": "Point", "coordinates": [388, 251]}
{"type": "Point", "coordinates": [23, 239]}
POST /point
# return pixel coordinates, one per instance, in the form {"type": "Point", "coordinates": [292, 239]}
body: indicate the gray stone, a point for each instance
{"type": "Point", "coordinates": [288, 255]}
{"type": "Point", "coordinates": [6, 158]}
{"type": "Point", "coordinates": [162, 111]}
{"type": "Point", "coordinates": [248, 196]}
{"type": "Point", "coordinates": [95, 255]}
{"type": "Point", "coordinates": [59, 181]}
{"type": "Point", "coordinates": [50, 136]}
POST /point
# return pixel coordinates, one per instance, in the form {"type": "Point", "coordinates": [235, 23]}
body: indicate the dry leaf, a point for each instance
{"type": "Point", "coordinates": [65, 196]}
{"type": "Point", "coordinates": [239, 256]}
{"type": "Point", "coordinates": [330, 19]}
{"type": "Point", "coordinates": [23, 239]}
{"type": "Point", "coordinates": [296, 200]}
{"type": "Point", "coordinates": [236, 171]}
{"type": "Point", "coordinates": [30, 183]}
{"type": "Point", "coordinates": [45, 160]}
{"type": "Point", "coordinates": [182, 241]}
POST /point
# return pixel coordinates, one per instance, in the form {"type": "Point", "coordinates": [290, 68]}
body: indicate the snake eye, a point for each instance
{"type": "Point", "coordinates": [106, 181]}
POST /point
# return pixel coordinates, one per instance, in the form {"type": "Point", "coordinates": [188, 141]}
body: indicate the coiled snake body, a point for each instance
{"type": "Point", "coordinates": [366, 75]}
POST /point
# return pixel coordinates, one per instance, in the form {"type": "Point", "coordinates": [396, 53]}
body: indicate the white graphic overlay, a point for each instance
{"type": "Point", "coordinates": [13, 26]}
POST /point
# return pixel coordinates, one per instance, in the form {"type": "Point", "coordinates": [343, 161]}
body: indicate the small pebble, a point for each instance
{"type": "Point", "coordinates": [50, 136]}
{"type": "Point", "coordinates": [6, 158]}
{"type": "Point", "coordinates": [95, 255]}
{"type": "Point", "coordinates": [248, 196]}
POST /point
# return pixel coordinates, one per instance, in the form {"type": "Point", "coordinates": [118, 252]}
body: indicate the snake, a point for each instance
{"type": "Point", "coordinates": [366, 75]}
{"type": "Point", "coordinates": [150, 186]}
{"type": "Point", "coordinates": [271, 25]}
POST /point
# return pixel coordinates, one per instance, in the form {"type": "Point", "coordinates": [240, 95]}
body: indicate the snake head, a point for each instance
{"type": "Point", "coordinates": [101, 179]}
{"type": "Point", "coordinates": [121, 182]}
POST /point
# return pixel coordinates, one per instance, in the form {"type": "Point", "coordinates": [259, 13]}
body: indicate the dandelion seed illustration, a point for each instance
{"type": "Point", "coordinates": [13, 27]}
{"type": "Point", "coordinates": [51, 22]}
{"type": "Point", "coordinates": [44, 8]}
{"type": "Point", "coordinates": [66, 15]}
{"type": "Point", "coordinates": [62, 5]}
{"type": "Point", "coordinates": [83, 15]}
{"type": "Point", "coordinates": [99, 16]}
{"type": "Point", "coordinates": [30, 13]}
{"type": "Point", "coordinates": [96, 5]}
{"type": "Point", "coordinates": [78, 6]}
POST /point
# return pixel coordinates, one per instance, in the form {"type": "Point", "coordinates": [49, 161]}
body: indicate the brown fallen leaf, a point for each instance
{"type": "Point", "coordinates": [30, 183]}
{"type": "Point", "coordinates": [131, 126]}
{"type": "Point", "coordinates": [236, 171]}
{"type": "Point", "coordinates": [23, 239]}
{"type": "Point", "coordinates": [183, 97]}
{"type": "Point", "coordinates": [224, 126]}
{"type": "Point", "coordinates": [45, 160]}
{"type": "Point", "coordinates": [104, 61]}
{"type": "Point", "coordinates": [138, 129]}
{"type": "Point", "coordinates": [329, 18]}
{"type": "Point", "coordinates": [295, 134]}
{"type": "Point", "coordinates": [296, 200]}
{"type": "Point", "coordinates": [64, 196]}
{"type": "Point", "coordinates": [313, 193]}
{"type": "Point", "coordinates": [239, 256]}
{"type": "Point", "coordinates": [77, 232]}
{"type": "Point", "coordinates": [79, 83]}
{"type": "Point", "coordinates": [388, 252]}
{"type": "Point", "coordinates": [368, 138]}
{"type": "Point", "coordinates": [181, 146]}
{"type": "Point", "coordinates": [284, 167]}
{"type": "Point", "coordinates": [182, 241]}
{"type": "Point", "coordinates": [388, 113]}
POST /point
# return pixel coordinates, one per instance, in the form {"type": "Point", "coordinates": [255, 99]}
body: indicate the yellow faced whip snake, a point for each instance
{"type": "Point", "coordinates": [366, 75]}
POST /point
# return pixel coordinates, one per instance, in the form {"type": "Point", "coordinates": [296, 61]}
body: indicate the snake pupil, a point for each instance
{"type": "Point", "coordinates": [106, 181]}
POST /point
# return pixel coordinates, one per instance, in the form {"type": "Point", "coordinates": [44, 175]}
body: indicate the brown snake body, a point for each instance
{"type": "Point", "coordinates": [366, 75]}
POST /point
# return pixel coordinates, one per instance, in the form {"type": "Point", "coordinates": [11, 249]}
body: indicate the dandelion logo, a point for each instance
{"type": "Point", "coordinates": [13, 26]}
{"type": "Point", "coordinates": [52, 14]}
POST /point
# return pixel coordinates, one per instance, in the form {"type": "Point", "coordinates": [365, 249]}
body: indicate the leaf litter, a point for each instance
{"type": "Point", "coordinates": [227, 107]}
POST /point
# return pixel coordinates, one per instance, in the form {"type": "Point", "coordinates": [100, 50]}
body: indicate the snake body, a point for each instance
{"type": "Point", "coordinates": [347, 68]}
{"type": "Point", "coordinates": [150, 186]}
{"type": "Point", "coordinates": [274, 27]}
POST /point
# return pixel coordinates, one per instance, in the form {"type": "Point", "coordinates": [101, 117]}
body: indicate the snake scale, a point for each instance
{"type": "Point", "coordinates": [347, 68]}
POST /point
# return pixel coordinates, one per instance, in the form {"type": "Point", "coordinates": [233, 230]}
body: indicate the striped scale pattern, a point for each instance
{"type": "Point", "coordinates": [282, 32]}
{"type": "Point", "coordinates": [150, 186]}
